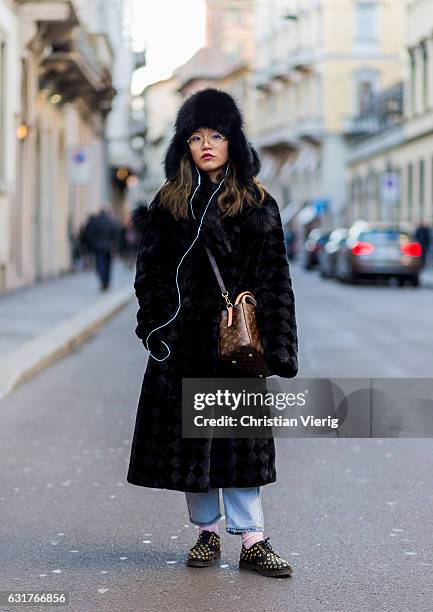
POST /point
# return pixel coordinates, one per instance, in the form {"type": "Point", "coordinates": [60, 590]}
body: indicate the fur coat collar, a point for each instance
{"type": "Point", "coordinates": [257, 220]}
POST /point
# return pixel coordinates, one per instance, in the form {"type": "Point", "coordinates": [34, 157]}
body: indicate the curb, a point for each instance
{"type": "Point", "coordinates": [35, 355]}
{"type": "Point", "coordinates": [426, 280]}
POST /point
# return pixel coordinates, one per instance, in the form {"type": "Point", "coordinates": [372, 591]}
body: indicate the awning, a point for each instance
{"type": "Point", "coordinates": [290, 211]}
{"type": "Point", "coordinates": [269, 169]}
{"type": "Point", "coordinates": [307, 215]}
{"type": "Point", "coordinates": [316, 208]}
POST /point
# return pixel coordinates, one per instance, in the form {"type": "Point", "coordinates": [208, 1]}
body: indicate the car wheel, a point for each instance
{"type": "Point", "coordinates": [415, 281]}
{"type": "Point", "coordinates": [351, 277]}
{"type": "Point", "coordinates": [401, 281]}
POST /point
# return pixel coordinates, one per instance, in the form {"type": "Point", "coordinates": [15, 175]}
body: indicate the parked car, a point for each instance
{"type": "Point", "coordinates": [313, 245]}
{"type": "Point", "coordinates": [379, 250]}
{"type": "Point", "coordinates": [328, 255]}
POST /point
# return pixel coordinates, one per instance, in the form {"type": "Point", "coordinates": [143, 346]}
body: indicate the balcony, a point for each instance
{"type": "Point", "coordinates": [262, 81]}
{"type": "Point", "coordinates": [278, 139]}
{"type": "Point", "coordinates": [355, 126]}
{"type": "Point", "coordinates": [55, 13]}
{"type": "Point", "coordinates": [384, 111]}
{"type": "Point", "coordinates": [310, 129]}
{"type": "Point", "coordinates": [302, 60]}
{"type": "Point", "coordinates": [73, 62]}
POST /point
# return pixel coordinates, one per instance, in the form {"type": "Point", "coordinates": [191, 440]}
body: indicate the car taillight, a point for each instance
{"type": "Point", "coordinates": [411, 249]}
{"type": "Point", "coordinates": [362, 248]}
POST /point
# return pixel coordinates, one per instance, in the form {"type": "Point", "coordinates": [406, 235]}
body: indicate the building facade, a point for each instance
{"type": "Point", "coordinates": [401, 149]}
{"type": "Point", "coordinates": [318, 65]}
{"type": "Point", "coordinates": [9, 109]}
{"type": "Point", "coordinates": [56, 79]}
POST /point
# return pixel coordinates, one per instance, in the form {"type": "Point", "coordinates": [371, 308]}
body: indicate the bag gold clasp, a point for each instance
{"type": "Point", "coordinates": [227, 299]}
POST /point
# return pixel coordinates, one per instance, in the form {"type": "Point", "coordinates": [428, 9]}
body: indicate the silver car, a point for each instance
{"type": "Point", "coordinates": [380, 250]}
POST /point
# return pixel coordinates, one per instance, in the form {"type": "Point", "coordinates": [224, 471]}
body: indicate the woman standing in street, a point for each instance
{"type": "Point", "coordinates": [211, 185]}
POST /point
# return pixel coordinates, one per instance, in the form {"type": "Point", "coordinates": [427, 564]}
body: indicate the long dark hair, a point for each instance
{"type": "Point", "coordinates": [174, 194]}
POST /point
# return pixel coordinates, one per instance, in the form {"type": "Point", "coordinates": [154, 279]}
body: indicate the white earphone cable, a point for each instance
{"type": "Point", "coordinates": [179, 264]}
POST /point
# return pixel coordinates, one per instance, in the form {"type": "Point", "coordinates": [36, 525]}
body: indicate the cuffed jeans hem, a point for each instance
{"type": "Point", "coordinates": [201, 524]}
{"type": "Point", "coordinates": [239, 530]}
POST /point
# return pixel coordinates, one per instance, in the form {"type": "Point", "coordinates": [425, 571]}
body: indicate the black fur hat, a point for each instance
{"type": "Point", "coordinates": [216, 109]}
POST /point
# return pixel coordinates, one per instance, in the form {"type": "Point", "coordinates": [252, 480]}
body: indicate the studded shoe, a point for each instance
{"type": "Point", "coordinates": [206, 550]}
{"type": "Point", "coordinates": [261, 558]}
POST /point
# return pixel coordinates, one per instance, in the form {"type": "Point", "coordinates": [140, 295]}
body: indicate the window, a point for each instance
{"type": "Point", "coordinates": [365, 96]}
{"type": "Point", "coordinates": [412, 81]}
{"type": "Point", "coordinates": [234, 15]}
{"type": "Point", "coordinates": [232, 49]}
{"type": "Point", "coordinates": [365, 85]}
{"type": "Point", "coordinates": [319, 37]}
{"type": "Point", "coordinates": [3, 102]}
{"type": "Point", "coordinates": [409, 191]}
{"type": "Point", "coordinates": [367, 21]}
{"type": "Point", "coordinates": [379, 236]}
{"type": "Point", "coordinates": [425, 74]}
{"type": "Point", "coordinates": [398, 202]}
{"type": "Point", "coordinates": [421, 186]}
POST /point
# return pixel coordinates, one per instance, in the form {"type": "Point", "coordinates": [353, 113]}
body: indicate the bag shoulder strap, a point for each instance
{"type": "Point", "coordinates": [215, 269]}
{"type": "Point", "coordinates": [219, 278]}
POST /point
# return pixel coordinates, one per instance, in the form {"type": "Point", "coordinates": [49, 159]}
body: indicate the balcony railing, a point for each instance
{"type": "Point", "coordinates": [384, 111]}
{"type": "Point", "coordinates": [302, 59]}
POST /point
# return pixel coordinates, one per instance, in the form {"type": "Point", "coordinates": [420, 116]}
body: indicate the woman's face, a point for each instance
{"type": "Point", "coordinates": [209, 150]}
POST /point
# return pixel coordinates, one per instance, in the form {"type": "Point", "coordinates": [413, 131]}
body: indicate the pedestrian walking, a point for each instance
{"type": "Point", "coordinates": [211, 186]}
{"type": "Point", "coordinates": [423, 236]}
{"type": "Point", "coordinates": [85, 251]}
{"type": "Point", "coordinates": [128, 244]}
{"type": "Point", "coordinates": [102, 236]}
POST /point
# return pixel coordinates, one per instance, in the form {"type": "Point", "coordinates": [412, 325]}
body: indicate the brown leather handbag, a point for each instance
{"type": "Point", "coordinates": [239, 339]}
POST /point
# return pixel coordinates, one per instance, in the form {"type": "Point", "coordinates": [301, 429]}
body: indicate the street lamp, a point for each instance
{"type": "Point", "coordinates": [22, 131]}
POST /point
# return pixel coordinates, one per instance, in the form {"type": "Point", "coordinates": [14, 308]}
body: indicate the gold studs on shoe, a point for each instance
{"type": "Point", "coordinates": [261, 558]}
{"type": "Point", "coordinates": [206, 550]}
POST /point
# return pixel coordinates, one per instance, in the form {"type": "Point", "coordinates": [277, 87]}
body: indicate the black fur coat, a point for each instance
{"type": "Point", "coordinates": [250, 252]}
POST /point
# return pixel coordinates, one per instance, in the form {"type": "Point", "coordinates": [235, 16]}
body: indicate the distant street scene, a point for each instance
{"type": "Point", "coordinates": [337, 100]}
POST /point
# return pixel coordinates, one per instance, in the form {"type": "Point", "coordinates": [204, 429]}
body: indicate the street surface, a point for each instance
{"type": "Point", "coordinates": [353, 516]}
{"type": "Point", "coordinates": [365, 330]}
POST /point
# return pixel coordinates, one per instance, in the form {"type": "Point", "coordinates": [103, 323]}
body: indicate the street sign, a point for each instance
{"type": "Point", "coordinates": [80, 164]}
{"type": "Point", "coordinates": [320, 206]}
{"type": "Point", "coordinates": [390, 187]}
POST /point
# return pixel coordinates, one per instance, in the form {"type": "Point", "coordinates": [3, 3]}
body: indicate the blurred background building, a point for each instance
{"type": "Point", "coordinates": [315, 79]}
{"type": "Point", "coordinates": [318, 65]}
{"type": "Point", "coordinates": [63, 140]}
{"type": "Point", "coordinates": [337, 97]}
{"type": "Point", "coordinates": [390, 164]}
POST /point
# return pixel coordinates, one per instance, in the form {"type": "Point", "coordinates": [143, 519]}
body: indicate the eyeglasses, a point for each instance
{"type": "Point", "coordinates": [215, 139]}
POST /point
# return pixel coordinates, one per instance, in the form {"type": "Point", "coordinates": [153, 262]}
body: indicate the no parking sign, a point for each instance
{"type": "Point", "coordinates": [390, 188]}
{"type": "Point", "coordinates": [80, 164]}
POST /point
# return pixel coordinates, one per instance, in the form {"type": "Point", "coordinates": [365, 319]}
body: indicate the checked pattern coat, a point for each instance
{"type": "Point", "coordinates": [250, 252]}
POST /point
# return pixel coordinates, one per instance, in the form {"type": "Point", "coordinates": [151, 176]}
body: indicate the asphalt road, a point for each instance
{"type": "Point", "coordinates": [354, 517]}
{"type": "Point", "coordinates": [365, 330]}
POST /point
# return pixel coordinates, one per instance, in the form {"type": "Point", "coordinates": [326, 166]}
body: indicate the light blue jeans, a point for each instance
{"type": "Point", "coordinates": [243, 508]}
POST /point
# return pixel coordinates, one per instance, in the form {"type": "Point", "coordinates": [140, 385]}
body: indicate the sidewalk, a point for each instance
{"type": "Point", "coordinates": [426, 277]}
{"type": "Point", "coordinates": [40, 323]}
